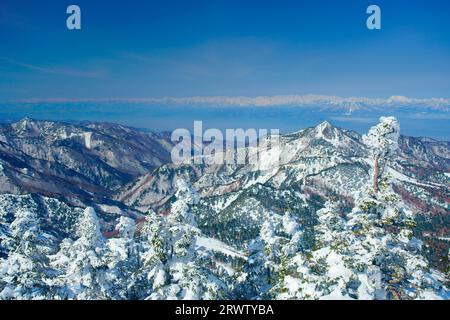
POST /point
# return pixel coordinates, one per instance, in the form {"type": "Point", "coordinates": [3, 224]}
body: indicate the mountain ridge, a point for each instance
{"type": "Point", "coordinates": [316, 164]}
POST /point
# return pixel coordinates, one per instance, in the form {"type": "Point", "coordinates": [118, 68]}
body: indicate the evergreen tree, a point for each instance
{"type": "Point", "coordinates": [81, 263]}
{"type": "Point", "coordinates": [382, 141]}
{"type": "Point", "coordinates": [269, 255]}
{"type": "Point", "coordinates": [122, 258]}
{"type": "Point", "coordinates": [155, 251]}
{"type": "Point", "coordinates": [178, 272]}
{"type": "Point", "coordinates": [320, 272]}
{"type": "Point", "coordinates": [253, 279]}
{"type": "Point", "coordinates": [24, 274]}
{"type": "Point", "coordinates": [390, 265]}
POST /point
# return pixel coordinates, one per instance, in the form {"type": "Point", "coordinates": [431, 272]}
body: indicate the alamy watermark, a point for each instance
{"type": "Point", "coordinates": [374, 20]}
{"type": "Point", "coordinates": [260, 148]}
{"type": "Point", "coordinates": [73, 21]}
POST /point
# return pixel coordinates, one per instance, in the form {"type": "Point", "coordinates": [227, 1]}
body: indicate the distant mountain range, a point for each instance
{"type": "Point", "coordinates": [263, 101]}
{"type": "Point", "coordinates": [426, 117]}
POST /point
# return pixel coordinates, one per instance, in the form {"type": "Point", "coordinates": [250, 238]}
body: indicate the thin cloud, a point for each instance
{"type": "Point", "coordinates": [62, 71]}
{"type": "Point", "coordinates": [322, 101]}
{"type": "Point", "coordinates": [353, 119]}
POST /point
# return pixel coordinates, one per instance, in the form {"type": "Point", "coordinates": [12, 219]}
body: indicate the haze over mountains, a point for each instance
{"type": "Point", "coordinates": [419, 117]}
{"type": "Point", "coordinates": [56, 169]}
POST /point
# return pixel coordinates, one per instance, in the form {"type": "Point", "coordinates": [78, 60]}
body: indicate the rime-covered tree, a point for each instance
{"type": "Point", "coordinates": [389, 259]}
{"type": "Point", "coordinates": [154, 255]}
{"type": "Point", "coordinates": [319, 272]}
{"type": "Point", "coordinates": [178, 271]}
{"type": "Point", "coordinates": [253, 279]}
{"type": "Point", "coordinates": [280, 239]}
{"type": "Point", "coordinates": [82, 263]}
{"type": "Point", "coordinates": [370, 254]}
{"type": "Point", "coordinates": [24, 274]}
{"type": "Point", "coordinates": [122, 258]}
{"type": "Point", "coordinates": [382, 141]}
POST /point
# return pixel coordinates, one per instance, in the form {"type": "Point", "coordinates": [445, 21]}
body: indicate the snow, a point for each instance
{"type": "Point", "coordinates": [110, 209]}
{"type": "Point", "coordinates": [335, 295]}
{"type": "Point", "coordinates": [88, 140]}
{"type": "Point", "coordinates": [401, 177]}
{"type": "Point", "coordinates": [382, 139]}
{"type": "Point", "coordinates": [292, 284]}
{"type": "Point", "coordinates": [320, 133]}
{"type": "Point", "coordinates": [172, 259]}
{"type": "Point", "coordinates": [289, 224]}
{"type": "Point", "coordinates": [228, 268]}
{"type": "Point", "coordinates": [126, 227]}
{"type": "Point", "coordinates": [337, 268]}
{"type": "Point", "coordinates": [430, 295]}
{"type": "Point", "coordinates": [219, 246]}
{"type": "Point", "coordinates": [160, 278]}
{"type": "Point", "coordinates": [222, 203]}
{"type": "Point", "coordinates": [118, 247]}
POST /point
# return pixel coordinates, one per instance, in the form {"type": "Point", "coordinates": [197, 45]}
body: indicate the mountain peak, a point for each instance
{"type": "Point", "coordinates": [25, 121]}
{"type": "Point", "coordinates": [26, 126]}
{"type": "Point", "coordinates": [325, 129]}
{"type": "Point", "coordinates": [324, 125]}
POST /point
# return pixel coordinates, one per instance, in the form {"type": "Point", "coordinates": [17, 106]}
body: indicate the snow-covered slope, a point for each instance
{"type": "Point", "coordinates": [82, 163]}
{"type": "Point", "coordinates": [316, 164]}
{"type": "Point", "coordinates": [307, 227]}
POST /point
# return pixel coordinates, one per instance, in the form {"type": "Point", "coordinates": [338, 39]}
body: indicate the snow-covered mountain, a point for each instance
{"type": "Point", "coordinates": [310, 227]}
{"type": "Point", "coordinates": [321, 161]}
{"type": "Point", "coordinates": [80, 163]}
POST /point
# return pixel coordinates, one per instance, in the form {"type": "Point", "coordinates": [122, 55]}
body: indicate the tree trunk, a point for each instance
{"type": "Point", "coordinates": [375, 175]}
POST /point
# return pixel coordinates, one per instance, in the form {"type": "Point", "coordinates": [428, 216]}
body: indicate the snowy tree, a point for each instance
{"type": "Point", "coordinates": [25, 272]}
{"type": "Point", "coordinates": [172, 262]}
{"type": "Point", "coordinates": [185, 197]}
{"type": "Point", "coordinates": [253, 280]}
{"type": "Point", "coordinates": [273, 245]}
{"type": "Point", "coordinates": [320, 272]}
{"type": "Point", "coordinates": [123, 261]}
{"type": "Point", "coordinates": [331, 253]}
{"type": "Point", "coordinates": [382, 237]}
{"type": "Point", "coordinates": [382, 141]}
{"type": "Point", "coordinates": [155, 251]}
{"type": "Point", "coordinates": [280, 239]}
{"type": "Point", "coordinates": [3, 239]}
{"type": "Point", "coordinates": [82, 262]}
{"type": "Point", "coordinates": [389, 265]}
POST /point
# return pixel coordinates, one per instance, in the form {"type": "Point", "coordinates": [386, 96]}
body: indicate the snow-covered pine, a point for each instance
{"type": "Point", "coordinates": [154, 253]}
{"type": "Point", "coordinates": [390, 261]}
{"type": "Point", "coordinates": [172, 267]}
{"type": "Point", "coordinates": [382, 141]}
{"type": "Point", "coordinates": [253, 280]}
{"type": "Point", "coordinates": [123, 260]}
{"type": "Point", "coordinates": [187, 277]}
{"type": "Point", "coordinates": [82, 263]}
{"type": "Point", "coordinates": [25, 273]}
{"type": "Point", "coordinates": [268, 256]}
{"type": "Point", "coordinates": [321, 272]}
{"type": "Point", "coordinates": [185, 197]}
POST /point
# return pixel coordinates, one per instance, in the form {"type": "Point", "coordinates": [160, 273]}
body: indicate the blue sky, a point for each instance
{"type": "Point", "coordinates": [133, 49]}
{"type": "Point", "coordinates": [230, 50]}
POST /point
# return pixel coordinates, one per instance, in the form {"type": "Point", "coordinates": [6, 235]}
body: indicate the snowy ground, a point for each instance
{"type": "Point", "coordinates": [219, 246]}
